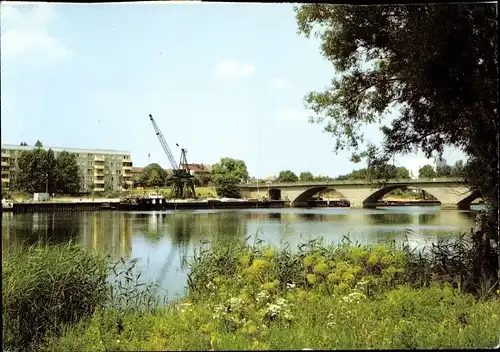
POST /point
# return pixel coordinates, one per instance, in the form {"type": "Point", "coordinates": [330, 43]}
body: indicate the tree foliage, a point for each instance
{"type": "Point", "coordinates": [228, 168]}
{"type": "Point", "coordinates": [227, 187]}
{"type": "Point", "coordinates": [377, 172]}
{"type": "Point", "coordinates": [227, 175]}
{"type": "Point", "coordinates": [152, 175]}
{"type": "Point", "coordinates": [426, 171]}
{"type": "Point", "coordinates": [202, 180]}
{"type": "Point", "coordinates": [287, 176]}
{"type": "Point", "coordinates": [433, 66]}
{"type": "Point", "coordinates": [67, 176]}
{"type": "Point", "coordinates": [39, 170]}
{"type": "Point", "coordinates": [306, 177]}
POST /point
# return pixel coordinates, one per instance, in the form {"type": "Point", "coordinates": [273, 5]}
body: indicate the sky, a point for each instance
{"type": "Point", "coordinates": [221, 80]}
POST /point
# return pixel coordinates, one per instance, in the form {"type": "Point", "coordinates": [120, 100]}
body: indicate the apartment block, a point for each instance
{"type": "Point", "coordinates": [100, 169]}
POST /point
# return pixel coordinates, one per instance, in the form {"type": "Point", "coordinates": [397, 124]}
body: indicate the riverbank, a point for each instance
{"type": "Point", "coordinates": [256, 297]}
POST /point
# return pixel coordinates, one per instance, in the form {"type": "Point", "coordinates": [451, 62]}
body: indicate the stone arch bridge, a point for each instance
{"type": "Point", "coordinates": [452, 193]}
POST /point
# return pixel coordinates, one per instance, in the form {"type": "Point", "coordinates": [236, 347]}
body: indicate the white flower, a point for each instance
{"type": "Point", "coordinates": [273, 309]}
{"type": "Point", "coordinates": [290, 285]}
{"type": "Point", "coordinates": [219, 311]}
{"type": "Point", "coordinates": [211, 286]}
{"type": "Point", "coordinates": [353, 297]}
{"type": "Point", "coordinates": [236, 303]}
{"type": "Point", "coordinates": [262, 296]}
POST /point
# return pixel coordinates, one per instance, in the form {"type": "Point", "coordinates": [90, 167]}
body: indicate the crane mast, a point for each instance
{"type": "Point", "coordinates": [183, 185]}
{"type": "Point", "coordinates": [164, 144]}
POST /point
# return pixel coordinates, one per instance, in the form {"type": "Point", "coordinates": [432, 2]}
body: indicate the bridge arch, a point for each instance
{"type": "Point", "coordinates": [378, 194]}
{"type": "Point", "coordinates": [308, 194]}
{"type": "Point", "coordinates": [456, 197]}
{"type": "Point", "coordinates": [274, 193]}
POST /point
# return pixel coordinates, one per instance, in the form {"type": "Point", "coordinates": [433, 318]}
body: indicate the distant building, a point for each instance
{"type": "Point", "coordinates": [198, 169]}
{"type": "Point", "coordinates": [195, 169]}
{"type": "Point", "coordinates": [100, 169]}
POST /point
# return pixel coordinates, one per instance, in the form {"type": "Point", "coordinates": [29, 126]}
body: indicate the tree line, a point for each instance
{"type": "Point", "coordinates": [38, 170]}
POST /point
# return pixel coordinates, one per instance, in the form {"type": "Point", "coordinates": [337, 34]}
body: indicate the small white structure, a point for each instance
{"type": "Point", "coordinates": [155, 198]}
{"type": "Point", "coordinates": [41, 197]}
{"type": "Point", "coordinates": [7, 204]}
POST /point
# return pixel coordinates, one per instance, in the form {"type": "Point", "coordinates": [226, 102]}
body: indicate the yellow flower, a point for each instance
{"type": "Point", "coordinates": [245, 260]}
{"type": "Point", "coordinates": [372, 259]}
{"type": "Point", "coordinates": [320, 268]}
{"type": "Point", "coordinates": [311, 278]}
{"type": "Point", "coordinates": [268, 253]}
{"type": "Point", "coordinates": [309, 260]}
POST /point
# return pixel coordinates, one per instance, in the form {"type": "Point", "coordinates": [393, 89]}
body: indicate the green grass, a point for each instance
{"type": "Point", "coordinates": [320, 297]}
{"type": "Point", "coordinates": [44, 287]}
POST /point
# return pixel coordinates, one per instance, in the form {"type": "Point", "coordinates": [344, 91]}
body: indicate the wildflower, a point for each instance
{"type": "Point", "coordinates": [279, 309]}
{"type": "Point", "coordinates": [273, 309]}
{"type": "Point", "coordinates": [262, 296]}
{"type": "Point", "coordinates": [236, 303]}
{"type": "Point", "coordinates": [290, 285]}
{"type": "Point", "coordinates": [282, 302]}
{"type": "Point", "coordinates": [219, 311]}
{"type": "Point", "coordinates": [211, 286]}
{"type": "Point", "coordinates": [353, 297]}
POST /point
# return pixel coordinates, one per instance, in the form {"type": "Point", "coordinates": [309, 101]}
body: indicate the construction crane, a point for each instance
{"type": "Point", "coordinates": [183, 184]}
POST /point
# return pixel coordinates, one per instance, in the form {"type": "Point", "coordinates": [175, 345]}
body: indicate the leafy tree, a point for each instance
{"type": "Point", "coordinates": [202, 180]}
{"type": "Point", "coordinates": [381, 170]}
{"type": "Point", "coordinates": [287, 176]}
{"type": "Point", "coordinates": [38, 144]}
{"type": "Point", "coordinates": [229, 168]}
{"type": "Point", "coordinates": [306, 177]}
{"type": "Point", "coordinates": [426, 171]}
{"type": "Point", "coordinates": [444, 171]}
{"type": "Point", "coordinates": [458, 169]}
{"type": "Point", "coordinates": [321, 178]}
{"type": "Point", "coordinates": [67, 175]}
{"type": "Point", "coordinates": [155, 179]}
{"type": "Point", "coordinates": [402, 173]}
{"type": "Point", "coordinates": [227, 187]}
{"type": "Point", "coordinates": [153, 175]}
{"type": "Point", "coordinates": [32, 172]}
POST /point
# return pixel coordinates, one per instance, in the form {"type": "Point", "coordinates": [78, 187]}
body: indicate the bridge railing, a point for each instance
{"type": "Point", "coordinates": [352, 182]}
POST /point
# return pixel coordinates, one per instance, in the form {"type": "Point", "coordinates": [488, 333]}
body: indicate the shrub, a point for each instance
{"type": "Point", "coordinates": [45, 287]}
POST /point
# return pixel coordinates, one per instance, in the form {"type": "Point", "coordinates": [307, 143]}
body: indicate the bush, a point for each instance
{"type": "Point", "coordinates": [45, 287]}
{"type": "Point", "coordinates": [255, 297]}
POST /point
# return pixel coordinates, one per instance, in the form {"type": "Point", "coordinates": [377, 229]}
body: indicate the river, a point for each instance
{"type": "Point", "coordinates": [163, 241]}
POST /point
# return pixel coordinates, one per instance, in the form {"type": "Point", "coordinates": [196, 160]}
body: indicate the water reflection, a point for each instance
{"type": "Point", "coordinates": [165, 241]}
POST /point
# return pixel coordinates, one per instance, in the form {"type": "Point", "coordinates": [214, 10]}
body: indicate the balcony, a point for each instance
{"type": "Point", "coordinates": [5, 163]}
{"type": "Point", "coordinates": [129, 182]}
{"type": "Point", "coordinates": [98, 173]}
{"type": "Point", "coordinates": [126, 174]}
{"type": "Point", "coordinates": [100, 182]}
{"type": "Point", "coordinates": [5, 180]}
{"type": "Point", "coordinates": [99, 158]}
{"type": "Point", "coordinates": [5, 155]}
{"type": "Point", "coordinates": [99, 189]}
{"type": "Point", "coordinates": [99, 166]}
{"type": "Point", "coordinates": [127, 167]}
